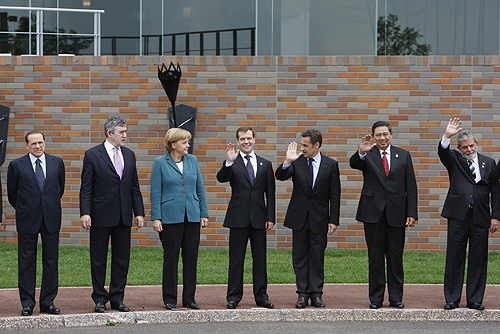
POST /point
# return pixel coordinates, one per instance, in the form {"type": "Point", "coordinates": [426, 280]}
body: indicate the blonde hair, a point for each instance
{"type": "Point", "coordinates": [173, 135]}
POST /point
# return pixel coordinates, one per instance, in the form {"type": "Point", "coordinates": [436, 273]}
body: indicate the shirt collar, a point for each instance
{"type": "Point", "coordinates": [316, 157]}
{"type": "Point", "coordinates": [108, 146]}
{"type": "Point", "coordinates": [33, 158]}
{"type": "Point", "coordinates": [252, 154]}
{"type": "Point", "coordinates": [388, 150]}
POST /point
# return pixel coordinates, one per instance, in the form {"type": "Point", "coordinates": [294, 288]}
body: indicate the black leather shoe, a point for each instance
{"type": "Point", "coordinates": [375, 305]}
{"type": "Point", "coordinates": [265, 303]}
{"type": "Point", "coordinates": [170, 306]}
{"type": "Point", "coordinates": [450, 306]}
{"type": "Point", "coordinates": [301, 302]}
{"type": "Point", "coordinates": [475, 306]}
{"type": "Point", "coordinates": [397, 305]}
{"type": "Point", "coordinates": [193, 305]}
{"type": "Point", "coordinates": [232, 304]}
{"type": "Point", "coordinates": [119, 306]}
{"type": "Point", "coordinates": [317, 302]}
{"type": "Point", "coordinates": [27, 311]}
{"type": "Point", "coordinates": [100, 307]}
{"type": "Point", "coordinates": [51, 309]}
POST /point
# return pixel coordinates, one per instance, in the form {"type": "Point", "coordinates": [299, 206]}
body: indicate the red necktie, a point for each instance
{"type": "Point", "coordinates": [386, 163]}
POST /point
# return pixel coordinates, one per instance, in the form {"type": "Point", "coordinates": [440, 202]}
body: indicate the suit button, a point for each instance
{"type": "Point", "coordinates": [182, 177]}
{"type": "Point", "coordinates": [183, 192]}
{"type": "Point", "coordinates": [183, 185]}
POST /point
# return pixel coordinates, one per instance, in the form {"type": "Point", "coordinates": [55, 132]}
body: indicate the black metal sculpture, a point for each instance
{"type": "Point", "coordinates": [170, 78]}
{"type": "Point", "coordinates": [4, 127]}
{"type": "Point", "coordinates": [186, 116]}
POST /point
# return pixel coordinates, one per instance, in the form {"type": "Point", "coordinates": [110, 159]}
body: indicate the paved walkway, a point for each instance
{"type": "Point", "coordinates": [343, 302]}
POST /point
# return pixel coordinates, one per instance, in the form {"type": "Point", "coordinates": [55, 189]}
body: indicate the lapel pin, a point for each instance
{"type": "Point", "coordinates": [261, 163]}
{"type": "Point", "coordinates": [397, 156]}
{"type": "Point", "coordinates": [482, 165]}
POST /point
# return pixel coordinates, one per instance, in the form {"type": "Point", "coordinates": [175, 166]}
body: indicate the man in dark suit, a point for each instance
{"type": "Point", "coordinates": [109, 193]}
{"type": "Point", "coordinates": [35, 185]}
{"type": "Point", "coordinates": [473, 181]}
{"type": "Point", "coordinates": [388, 204]}
{"type": "Point", "coordinates": [250, 214]}
{"type": "Point", "coordinates": [313, 212]}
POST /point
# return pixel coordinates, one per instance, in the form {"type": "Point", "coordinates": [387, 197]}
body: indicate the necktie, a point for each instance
{"type": "Point", "coordinates": [472, 169]}
{"type": "Point", "coordinates": [386, 163]}
{"type": "Point", "coordinates": [118, 162]}
{"type": "Point", "coordinates": [251, 174]}
{"type": "Point", "coordinates": [40, 178]}
{"type": "Point", "coordinates": [311, 170]}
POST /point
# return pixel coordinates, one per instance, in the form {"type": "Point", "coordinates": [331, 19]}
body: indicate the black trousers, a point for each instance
{"type": "Point", "coordinates": [385, 242]}
{"type": "Point", "coordinates": [308, 256]}
{"type": "Point", "coordinates": [27, 250]}
{"type": "Point", "coordinates": [238, 238]}
{"type": "Point", "coordinates": [120, 259]}
{"type": "Point", "coordinates": [184, 235]}
{"type": "Point", "coordinates": [458, 233]}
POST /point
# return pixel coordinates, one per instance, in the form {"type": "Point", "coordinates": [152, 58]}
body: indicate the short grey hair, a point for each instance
{"type": "Point", "coordinates": [464, 135]}
{"type": "Point", "coordinates": [112, 123]}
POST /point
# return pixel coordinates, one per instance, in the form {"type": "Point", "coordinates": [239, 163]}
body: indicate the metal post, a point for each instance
{"type": "Point", "coordinates": [173, 45]}
{"type": "Point", "coordinates": [202, 46]}
{"type": "Point", "coordinates": [217, 43]}
{"type": "Point", "coordinates": [252, 41]}
{"type": "Point", "coordinates": [39, 33]}
{"type": "Point", "coordinates": [235, 43]}
{"type": "Point", "coordinates": [187, 44]}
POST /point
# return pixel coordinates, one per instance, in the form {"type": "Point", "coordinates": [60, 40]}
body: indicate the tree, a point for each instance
{"type": "Point", "coordinates": [18, 44]}
{"type": "Point", "coordinates": [392, 41]}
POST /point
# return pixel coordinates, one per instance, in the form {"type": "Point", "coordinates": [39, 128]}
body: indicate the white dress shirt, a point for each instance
{"type": "Point", "coordinates": [43, 164]}
{"type": "Point", "coordinates": [111, 153]}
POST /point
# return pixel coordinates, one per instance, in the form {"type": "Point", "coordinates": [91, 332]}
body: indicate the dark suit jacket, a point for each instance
{"type": "Point", "coordinates": [396, 193]}
{"type": "Point", "coordinates": [322, 203]}
{"type": "Point", "coordinates": [463, 187]}
{"type": "Point", "coordinates": [33, 204]}
{"type": "Point", "coordinates": [249, 205]}
{"type": "Point", "coordinates": [103, 195]}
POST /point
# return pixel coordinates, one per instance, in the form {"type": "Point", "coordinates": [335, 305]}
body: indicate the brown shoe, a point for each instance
{"type": "Point", "coordinates": [301, 302]}
{"type": "Point", "coordinates": [317, 302]}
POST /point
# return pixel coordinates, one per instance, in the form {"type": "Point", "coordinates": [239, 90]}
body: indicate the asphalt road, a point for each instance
{"type": "Point", "coordinates": [286, 328]}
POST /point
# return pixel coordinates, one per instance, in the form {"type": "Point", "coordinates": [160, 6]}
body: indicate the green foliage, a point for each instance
{"type": "Point", "coordinates": [146, 265]}
{"type": "Point", "coordinates": [391, 40]}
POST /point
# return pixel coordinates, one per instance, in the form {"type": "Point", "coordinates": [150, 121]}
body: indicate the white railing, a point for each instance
{"type": "Point", "coordinates": [39, 26]}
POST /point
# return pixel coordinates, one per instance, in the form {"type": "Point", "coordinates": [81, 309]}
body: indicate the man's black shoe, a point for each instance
{"type": "Point", "coordinates": [232, 304]}
{"type": "Point", "coordinates": [100, 307]}
{"type": "Point", "coordinates": [27, 311]}
{"type": "Point", "coordinates": [475, 306]}
{"type": "Point", "coordinates": [51, 309]}
{"type": "Point", "coordinates": [119, 306]}
{"type": "Point", "coordinates": [450, 306]}
{"type": "Point", "coordinates": [265, 303]}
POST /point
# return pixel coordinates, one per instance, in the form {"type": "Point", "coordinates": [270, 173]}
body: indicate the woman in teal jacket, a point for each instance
{"type": "Point", "coordinates": [178, 207]}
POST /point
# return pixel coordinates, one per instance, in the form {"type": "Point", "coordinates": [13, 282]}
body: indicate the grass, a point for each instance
{"type": "Point", "coordinates": [341, 266]}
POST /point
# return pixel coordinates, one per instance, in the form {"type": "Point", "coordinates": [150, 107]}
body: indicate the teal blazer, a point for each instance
{"type": "Point", "coordinates": [175, 194]}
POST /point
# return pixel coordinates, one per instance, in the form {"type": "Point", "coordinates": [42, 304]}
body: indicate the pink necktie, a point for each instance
{"type": "Point", "coordinates": [118, 163]}
{"type": "Point", "coordinates": [386, 163]}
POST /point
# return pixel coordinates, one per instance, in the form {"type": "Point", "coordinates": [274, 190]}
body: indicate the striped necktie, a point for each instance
{"type": "Point", "coordinates": [471, 167]}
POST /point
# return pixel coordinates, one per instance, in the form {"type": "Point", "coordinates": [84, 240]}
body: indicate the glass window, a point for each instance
{"type": "Point", "coordinates": [450, 27]}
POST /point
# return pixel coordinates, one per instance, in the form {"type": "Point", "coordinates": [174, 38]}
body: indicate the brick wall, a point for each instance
{"type": "Point", "coordinates": [70, 98]}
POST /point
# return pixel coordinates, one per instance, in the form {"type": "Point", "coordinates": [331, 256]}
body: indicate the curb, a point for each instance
{"type": "Point", "coordinates": [250, 315]}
